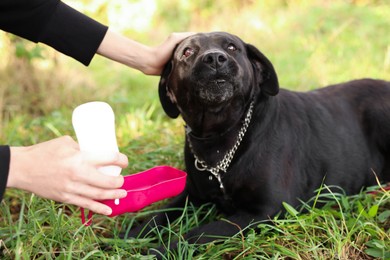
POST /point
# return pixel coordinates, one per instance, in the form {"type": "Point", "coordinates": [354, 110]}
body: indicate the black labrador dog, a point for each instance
{"type": "Point", "coordinates": [251, 146]}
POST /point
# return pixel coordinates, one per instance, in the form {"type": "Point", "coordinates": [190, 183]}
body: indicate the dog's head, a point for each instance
{"type": "Point", "coordinates": [210, 73]}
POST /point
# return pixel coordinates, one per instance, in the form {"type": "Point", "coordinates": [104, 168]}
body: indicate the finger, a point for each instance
{"type": "Point", "coordinates": [95, 178]}
{"type": "Point", "coordinates": [99, 194]}
{"type": "Point", "coordinates": [175, 38]}
{"type": "Point", "coordinates": [90, 204]}
{"type": "Point", "coordinates": [106, 158]}
{"type": "Point", "coordinates": [179, 36]}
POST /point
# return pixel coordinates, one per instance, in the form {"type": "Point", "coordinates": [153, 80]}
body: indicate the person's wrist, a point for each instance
{"type": "Point", "coordinates": [147, 60]}
{"type": "Point", "coordinates": [15, 175]}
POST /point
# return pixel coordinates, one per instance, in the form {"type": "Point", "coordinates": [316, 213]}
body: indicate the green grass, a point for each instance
{"type": "Point", "coordinates": [354, 227]}
{"type": "Point", "coordinates": [311, 44]}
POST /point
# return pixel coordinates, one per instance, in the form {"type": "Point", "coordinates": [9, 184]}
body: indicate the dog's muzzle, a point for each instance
{"type": "Point", "coordinates": [214, 77]}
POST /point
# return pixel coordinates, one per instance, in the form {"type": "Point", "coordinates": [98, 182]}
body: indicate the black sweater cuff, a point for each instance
{"type": "Point", "coordinates": [5, 156]}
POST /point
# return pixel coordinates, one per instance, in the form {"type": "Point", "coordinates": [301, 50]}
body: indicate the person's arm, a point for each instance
{"type": "Point", "coordinates": [4, 168]}
{"type": "Point", "coordinates": [57, 170]}
{"type": "Point", "coordinates": [54, 23]}
{"type": "Point", "coordinates": [72, 33]}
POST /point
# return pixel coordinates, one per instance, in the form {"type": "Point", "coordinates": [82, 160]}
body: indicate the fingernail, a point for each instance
{"type": "Point", "coordinates": [123, 194]}
{"type": "Point", "coordinates": [107, 211]}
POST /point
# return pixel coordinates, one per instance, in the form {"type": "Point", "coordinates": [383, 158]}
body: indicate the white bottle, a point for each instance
{"type": "Point", "coordinates": [94, 124]}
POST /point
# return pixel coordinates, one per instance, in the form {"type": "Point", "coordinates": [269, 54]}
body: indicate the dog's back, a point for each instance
{"type": "Point", "coordinates": [342, 128]}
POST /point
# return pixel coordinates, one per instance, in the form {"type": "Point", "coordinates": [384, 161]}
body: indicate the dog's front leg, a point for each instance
{"type": "Point", "coordinates": [223, 228]}
{"type": "Point", "coordinates": [173, 210]}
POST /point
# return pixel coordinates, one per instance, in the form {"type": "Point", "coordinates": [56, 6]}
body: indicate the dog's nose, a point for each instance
{"type": "Point", "coordinates": [215, 59]}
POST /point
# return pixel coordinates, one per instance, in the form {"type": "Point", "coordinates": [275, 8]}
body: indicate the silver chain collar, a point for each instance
{"type": "Point", "coordinates": [223, 165]}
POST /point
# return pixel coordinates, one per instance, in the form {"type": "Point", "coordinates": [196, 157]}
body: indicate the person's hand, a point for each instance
{"type": "Point", "coordinates": [159, 56]}
{"type": "Point", "coordinates": [57, 170]}
{"type": "Point", "coordinates": [149, 60]}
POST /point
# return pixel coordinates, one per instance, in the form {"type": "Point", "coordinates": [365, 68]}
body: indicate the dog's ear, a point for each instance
{"type": "Point", "coordinates": [166, 98]}
{"type": "Point", "coordinates": [269, 84]}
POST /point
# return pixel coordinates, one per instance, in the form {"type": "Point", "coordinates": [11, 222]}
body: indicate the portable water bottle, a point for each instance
{"type": "Point", "coordinates": [94, 124]}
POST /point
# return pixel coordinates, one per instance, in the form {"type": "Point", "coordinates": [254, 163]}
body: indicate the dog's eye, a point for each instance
{"type": "Point", "coordinates": [188, 52]}
{"type": "Point", "coordinates": [232, 47]}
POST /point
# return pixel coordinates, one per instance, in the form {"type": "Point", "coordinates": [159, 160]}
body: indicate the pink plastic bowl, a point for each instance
{"type": "Point", "coordinates": [145, 188]}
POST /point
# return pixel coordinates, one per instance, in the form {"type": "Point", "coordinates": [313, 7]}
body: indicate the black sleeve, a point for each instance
{"type": "Point", "coordinates": [54, 23]}
{"type": "Point", "coordinates": [5, 156]}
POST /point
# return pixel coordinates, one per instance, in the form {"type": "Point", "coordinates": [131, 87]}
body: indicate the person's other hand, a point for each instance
{"type": "Point", "coordinates": [58, 170]}
{"type": "Point", "coordinates": [149, 60]}
{"type": "Point", "coordinates": [160, 55]}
